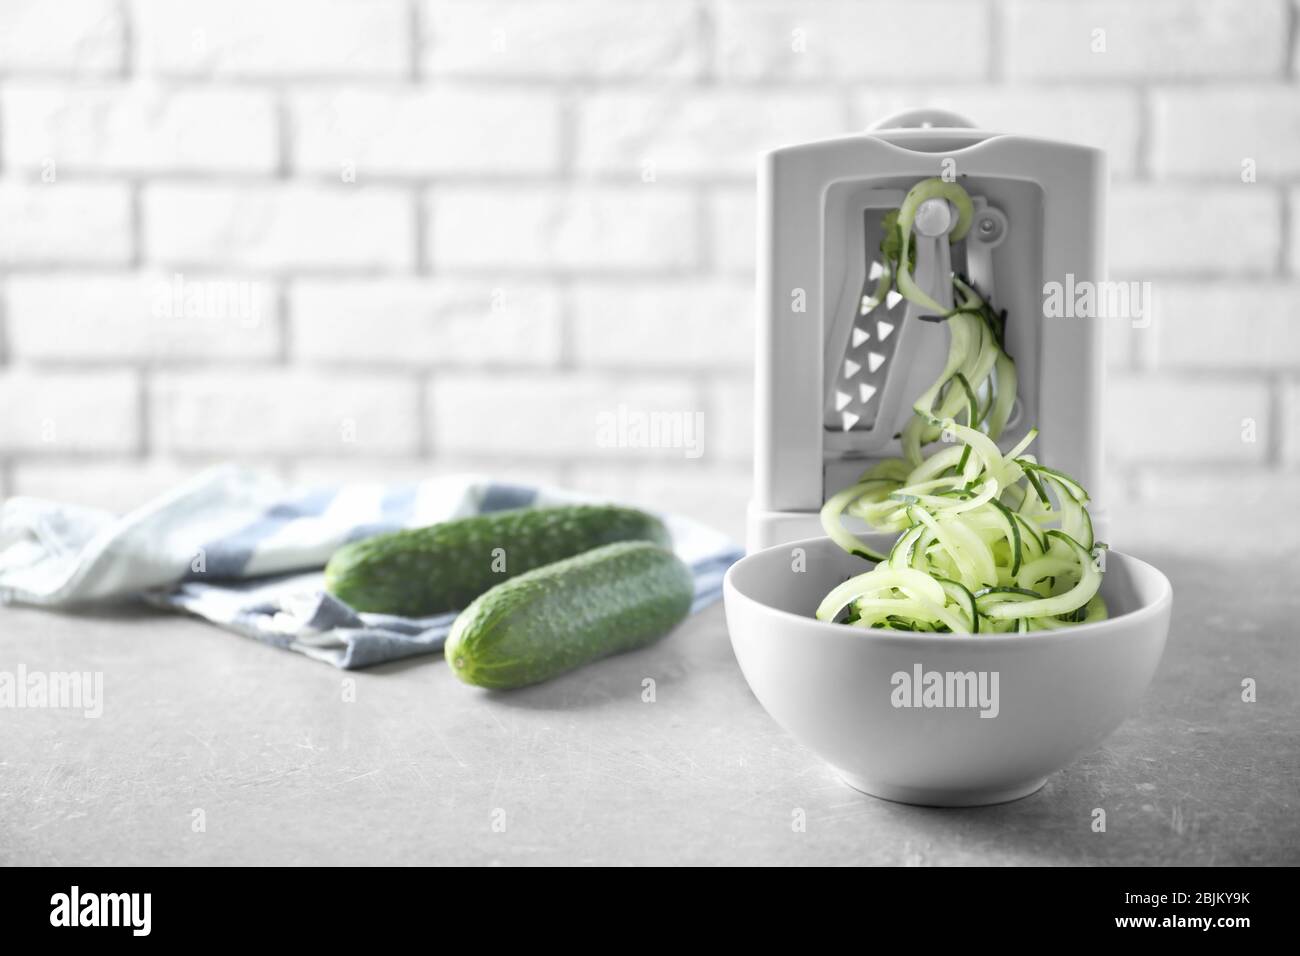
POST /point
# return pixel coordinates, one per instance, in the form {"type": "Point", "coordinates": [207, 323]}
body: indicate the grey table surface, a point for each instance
{"type": "Point", "coordinates": [419, 769]}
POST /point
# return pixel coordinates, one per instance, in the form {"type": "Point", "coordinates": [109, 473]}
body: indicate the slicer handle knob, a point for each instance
{"type": "Point", "coordinates": [923, 117]}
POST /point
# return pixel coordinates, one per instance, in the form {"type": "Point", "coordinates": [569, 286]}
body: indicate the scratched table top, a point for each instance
{"type": "Point", "coordinates": [213, 749]}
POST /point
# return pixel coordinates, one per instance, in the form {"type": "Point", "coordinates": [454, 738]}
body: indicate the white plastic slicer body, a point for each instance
{"type": "Point", "coordinates": [836, 380]}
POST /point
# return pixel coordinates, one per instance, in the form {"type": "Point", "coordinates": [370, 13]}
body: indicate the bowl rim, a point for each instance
{"type": "Point", "coordinates": [876, 635]}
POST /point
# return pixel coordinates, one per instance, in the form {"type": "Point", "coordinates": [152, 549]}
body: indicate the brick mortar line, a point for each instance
{"type": "Point", "coordinates": [166, 456]}
{"type": "Point", "coordinates": [1164, 374]}
{"type": "Point", "coordinates": [135, 224]}
{"type": "Point", "coordinates": [567, 359]}
{"type": "Point", "coordinates": [532, 273]}
{"type": "Point", "coordinates": [323, 270]}
{"type": "Point", "coordinates": [144, 271]}
{"type": "Point", "coordinates": [1293, 42]}
{"type": "Point", "coordinates": [1135, 469]}
{"type": "Point", "coordinates": [525, 272]}
{"type": "Point", "coordinates": [281, 118]}
{"type": "Point", "coordinates": [708, 18]}
{"type": "Point", "coordinates": [129, 46]}
{"type": "Point", "coordinates": [378, 368]}
{"type": "Point", "coordinates": [650, 85]}
{"type": "Point", "coordinates": [1208, 179]}
{"type": "Point", "coordinates": [54, 365]}
{"type": "Point", "coordinates": [1202, 276]}
{"type": "Point", "coordinates": [566, 145]}
{"type": "Point", "coordinates": [369, 455]}
{"type": "Point", "coordinates": [1215, 470]}
{"type": "Point", "coordinates": [381, 368]}
{"type": "Point", "coordinates": [996, 38]}
{"type": "Point", "coordinates": [281, 301]}
{"type": "Point", "coordinates": [1143, 161]}
{"type": "Point", "coordinates": [422, 199]}
{"type": "Point", "coordinates": [436, 182]}
{"type": "Point", "coordinates": [144, 414]}
{"type": "Point", "coordinates": [161, 270]}
{"type": "Point", "coordinates": [424, 420]}
{"type": "Point", "coordinates": [1286, 215]}
{"type": "Point", "coordinates": [1107, 82]}
{"type": "Point", "coordinates": [705, 229]}
{"type": "Point", "coordinates": [1167, 375]}
{"type": "Point", "coordinates": [4, 320]}
{"type": "Point", "coordinates": [226, 179]}
{"type": "Point", "coordinates": [415, 36]}
{"type": "Point", "coordinates": [640, 376]}
{"type": "Point", "coordinates": [706, 402]}
{"type": "Point", "coordinates": [594, 87]}
{"type": "Point", "coordinates": [1276, 411]}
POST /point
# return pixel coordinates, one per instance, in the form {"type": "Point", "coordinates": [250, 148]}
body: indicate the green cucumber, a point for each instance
{"type": "Point", "coordinates": [553, 619]}
{"type": "Point", "coordinates": [422, 571]}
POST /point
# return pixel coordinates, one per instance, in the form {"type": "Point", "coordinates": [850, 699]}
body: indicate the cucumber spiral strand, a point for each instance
{"type": "Point", "coordinates": [987, 542]}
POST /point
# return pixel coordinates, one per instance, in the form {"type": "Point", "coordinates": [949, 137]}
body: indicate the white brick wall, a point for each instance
{"type": "Point", "coordinates": [1211, 133]}
{"type": "Point", "coordinates": [447, 323]}
{"type": "Point", "coordinates": [1117, 39]}
{"type": "Point", "coordinates": [146, 318]}
{"type": "Point", "coordinates": [62, 413]}
{"type": "Point", "coordinates": [1192, 230]}
{"type": "Point", "coordinates": [559, 228]}
{"type": "Point", "coordinates": [563, 39]}
{"type": "Point", "coordinates": [278, 416]}
{"type": "Point", "coordinates": [139, 129]}
{"type": "Point", "coordinates": [384, 238]}
{"type": "Point", "coordinates": [75, 37]}
{"type": "Point", "coordinates": [1235, 325]}
{"type": "Point", "coordinates": [664, 324]}
{"type": "Point", "coordinates": [532, 416]}
{"type": "Point", "coordinates": [289, 39]}
{"type": "Point", "coordinates": [63, 223]}
{"type": "Point", "coordinates": [275, 227]}
{"type": "Point", "coordinates": [1187, 420]}
{"type": "Point", "coordinates": [419, 133]}
{"type": "Point", "coordinates": [732, 223]}
{"type": "Point", "coordinates": [849, 40]}
{"type": "Point", "coordinates": [695, 133]}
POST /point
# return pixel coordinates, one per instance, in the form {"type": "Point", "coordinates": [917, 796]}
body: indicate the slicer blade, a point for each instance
{"type": "Point", "coordinates": [861, 372]}
{"type": "Point", "coordinates": [858, 380]}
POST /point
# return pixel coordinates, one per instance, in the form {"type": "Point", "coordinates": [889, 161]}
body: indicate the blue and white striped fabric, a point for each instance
{"type": "Point", "coordinates": [244, 551]}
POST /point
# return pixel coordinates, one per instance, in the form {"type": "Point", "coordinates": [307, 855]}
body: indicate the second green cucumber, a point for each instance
{"type": "Point", "coordinates": [424, 571]}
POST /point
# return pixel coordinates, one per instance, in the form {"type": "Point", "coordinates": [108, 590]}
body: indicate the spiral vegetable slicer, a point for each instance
{"type": "Point", "coordinates": [837, 372]}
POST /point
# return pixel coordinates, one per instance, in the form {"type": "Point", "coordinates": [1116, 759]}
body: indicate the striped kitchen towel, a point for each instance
{"type": "Point", "coordinates": [244, 551]}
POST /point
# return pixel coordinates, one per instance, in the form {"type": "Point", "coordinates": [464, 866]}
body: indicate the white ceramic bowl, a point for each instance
{"type": "Point", "coordinates": [835, 688]}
